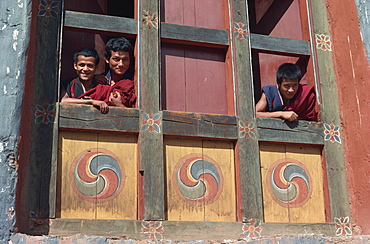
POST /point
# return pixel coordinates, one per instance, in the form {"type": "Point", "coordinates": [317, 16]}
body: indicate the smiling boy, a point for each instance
{"type": "Point", "coordinates": [85, 61]}
{"type": "Point", "coordinates": [289, 99]}
{"type": "Point", "coordinates": [121, 90]}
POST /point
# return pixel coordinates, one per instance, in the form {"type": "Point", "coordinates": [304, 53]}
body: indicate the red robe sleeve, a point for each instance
{"type": "Point", "coordinates": [304, 103]}
{"type": "Point", "coordinates": [124, 87]}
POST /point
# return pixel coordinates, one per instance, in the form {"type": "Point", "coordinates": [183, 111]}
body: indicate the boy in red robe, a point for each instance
{"type": "Point", "coordinates": [289, 99]}
{"type": "Point", "coordinates": [85, 61]}
{"type": "Point", "coordinates": [116, 88]}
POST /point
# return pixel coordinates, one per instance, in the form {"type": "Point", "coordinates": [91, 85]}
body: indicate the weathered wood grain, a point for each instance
{"type": "Point", "coordinates": [199, 125]}
{"type": "Point", "coordinates": [179, 230]}
{"type": "Point", "coordinates": [194, 35]}
{"type": "Point", "coordinates": [220, 154]}
{"type": "Point", "coordinates": [313, 210]}
{"type": "Point", "coordinates": [43, 86]}
{"type": "Point", "coordinates": [151, 142]}
{"type": "Point", "coordinates": [121, 204]}
{"type": "Point", "coordinates": [278, 45]}
{"type": "Point", "coordinates": [334, 152]}
{"type": "Point", "coordinates": [99, 23]}
{"type": "Point", "coordinates": [247, 166]}
{"type": "Point", "coordinates": [85, 117]}
{"type": "Point", "coordinates": [301, 132]}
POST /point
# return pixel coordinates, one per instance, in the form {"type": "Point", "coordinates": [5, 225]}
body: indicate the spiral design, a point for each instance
{"type": "Point", "coordinates": [289, 183]}
{"type": "Point", "coordinates": [98, 175]}
{"type": "Point", "coordinates": [198, 179]}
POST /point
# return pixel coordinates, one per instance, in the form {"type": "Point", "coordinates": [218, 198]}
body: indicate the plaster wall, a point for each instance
{"type": "Point", "coordinates": [363, 8]}
{"type": "Point", "coordinates": [352, 75]}
{"type": "Point", "coordinates": [14, 32]}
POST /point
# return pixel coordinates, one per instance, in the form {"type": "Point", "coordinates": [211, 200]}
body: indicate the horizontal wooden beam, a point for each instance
{"type": "Point", "coordinates": [100, 23]}
{"type": "Point", "coordinates": [301, 132]}
{"type": "Point", "coordinates": [199, 125]}
{"type": "Point", "coordinates": [87, 117]}
{"type": "Point", "coordinates": [194, 35]}
{"type": "Point", "coordinates": [278, 45]}
{"type": "Point", "coordinates": [179, 230]}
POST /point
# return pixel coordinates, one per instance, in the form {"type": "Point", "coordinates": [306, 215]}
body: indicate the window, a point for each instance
{"type": "Point", "coordinates": [192, 150]}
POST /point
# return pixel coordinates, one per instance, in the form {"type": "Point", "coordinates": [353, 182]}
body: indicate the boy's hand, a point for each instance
{"type": "Point", "coordinates": [289, 115]}
{"type": "Point", "coordinates": [103, 107]}
{"type": "Point", "coordinates": [101, 79]}
{"type": "Point", "coordinates": [115, 99]}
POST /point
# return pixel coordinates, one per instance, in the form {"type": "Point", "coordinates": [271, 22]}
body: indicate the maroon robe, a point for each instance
{"type": "Point", "coordinates": [102, 92]}
{"type": "Point", "coordinates": [303, 103]}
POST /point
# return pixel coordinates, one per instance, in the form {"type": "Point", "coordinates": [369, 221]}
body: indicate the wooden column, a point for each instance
{"type": "Point", "coordinates": [151, 137]}
{"type": "Point", "coordinates": [334, 152]}
{"type": "Point", "coordinates": [247, 153]}
{"type": "Point", "coordinates": [41, 181]}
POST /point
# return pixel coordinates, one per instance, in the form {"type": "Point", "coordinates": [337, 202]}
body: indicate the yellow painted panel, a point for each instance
{"type": "Point", "coordinates": [313, 211]}
{"type": "Point", "coordinates": [299, 199]}
{"type": "Point", "coordinates": [213, 163]}
{"type": "Point", "coordinates": [178, 208]}
{"type": "Point", "coordinates": [273, 212]}
{"type": "Point", "coordinates": [124, 206]}
{"type": "Point", "coordinates": [112, 195]}
{"type": "Point", "coordinates": [224, 208]}
{"type": "Point", "coordinates": [72, 144]}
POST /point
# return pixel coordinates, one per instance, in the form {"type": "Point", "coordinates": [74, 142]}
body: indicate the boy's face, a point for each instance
{"type": "Point", "coordinates": [119, 62]}
{"type": "Point", "coordinates": [288, 88]}
{"type": "Point", "coordinates": [85, 67]}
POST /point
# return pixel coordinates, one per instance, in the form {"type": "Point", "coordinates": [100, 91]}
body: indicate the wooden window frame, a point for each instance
{"type": "Point", "coordinates": [194, 124]}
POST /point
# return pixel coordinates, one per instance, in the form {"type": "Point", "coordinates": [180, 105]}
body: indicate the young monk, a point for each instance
{"type": "Point", "coordinates": [121, 90]}
{"type": "Point", "coordinates": [289, 99]}
{"type": "Point", "coordinates": [85, 61]}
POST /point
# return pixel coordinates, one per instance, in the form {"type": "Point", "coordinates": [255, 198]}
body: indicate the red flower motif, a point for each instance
{"type": "Point", "coordinates": [150, 19]}
{"type": "Point", "coordinates": [49, 8]}
{"type": "Point", "coordinates": [343, 226]}
{"type": "Point", "coordinates": [45, 113]}
{"type": "Point", "coordinates": [241, 30]}
{"type": "Point", "coordinates": [323, 42]}
{"type": "Point", "coordinates": [152, 228]}
{"type": "Point", "coordinates": [252, 229]}
{"type": "Point", "coordinates": [151, 122]}
{"type": "Point", "coordinates": [332, 133]}
{"type": "Point", "coordinates": [247, 130]}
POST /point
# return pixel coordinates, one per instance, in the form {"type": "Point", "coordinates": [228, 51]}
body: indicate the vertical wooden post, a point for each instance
{"type": "Point", "coordinates": [247, 153]}
{"type": "Point", "coordinates": [151, 137]}
{"type": "Point", "coordinates": [334, 151]}
{"type": "Point", "coordinates": [41, 175]}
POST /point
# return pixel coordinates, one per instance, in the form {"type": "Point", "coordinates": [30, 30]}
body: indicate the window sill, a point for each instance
{"type": "Point", "coordinates": [180, 230]}
{"type": "Point", "coordinates": [278, 130]}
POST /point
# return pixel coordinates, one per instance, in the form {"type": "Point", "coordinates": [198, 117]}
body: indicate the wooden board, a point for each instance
{"type": "Point", "coordinates": [112, 157]}
{"type": "Point", "coordinates": [211, 161]}
{"type": "Point", "coordinates": [194, 79]}
{"type": "Point", "coordinates": [205, 13]}
{"type": "Point", "coordinates": [303, 165]}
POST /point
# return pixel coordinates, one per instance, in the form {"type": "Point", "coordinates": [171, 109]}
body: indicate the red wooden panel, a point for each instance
{"type": "Point", "coordinates": [268, 66]}
{"type": "Point", "coordinates": [173, 78]}
{"type": "Point", "coordinates": [194, 79]}
{"type": "Point", "coordinates": [205, 13]}
{"type": "Point", "coordinates": [280, 19]}
{"type": "Point", "coordinates": [286, 19]}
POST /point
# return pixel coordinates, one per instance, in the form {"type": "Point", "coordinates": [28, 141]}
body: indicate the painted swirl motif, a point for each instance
{"type": "Point", "coordinates": [289, 183]}
{"type": "Point", "coordinates": [198, 179]}
{"type": "Point", "coordinates": [98, 175]}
